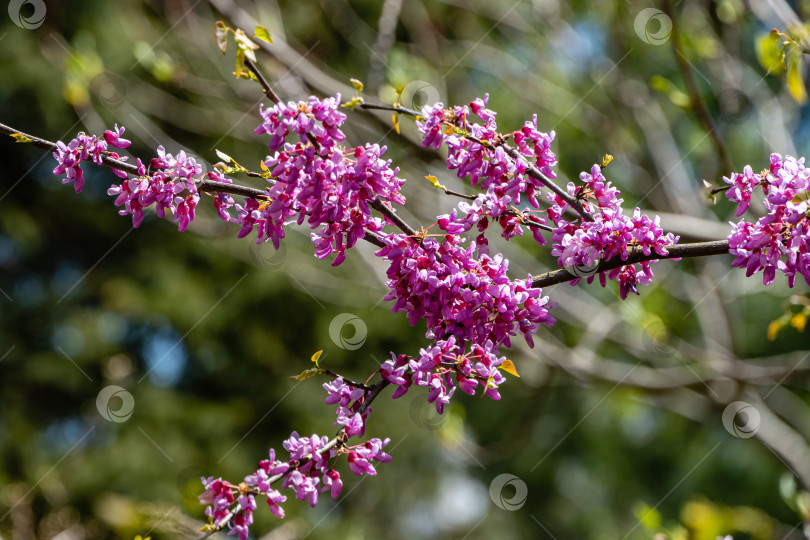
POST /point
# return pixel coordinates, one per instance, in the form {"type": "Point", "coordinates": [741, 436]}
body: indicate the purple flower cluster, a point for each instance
{"type": "Point", "coordinates": [349, 401]}
{"type": "Point", "coordinates": [581, 245]}
{"type": "Point", "coordinates": [476, 149]}
{"type": "Point", "coordinates": [779, 240]}
{"type": "Point", "coordinates": [315, 180]}
{"type": "Point", "coordinates": [306, 472]}
{"type": "Point", "coordinates": [461, 294]}
{"type": "Point", "coordinates": [482, 211]}
{"type": "Point", "coordinates": [86, 148]}
{"type": "Point", "coordinates": [163, 186]}
{"type": "Point", "coordinates": [443, 367]}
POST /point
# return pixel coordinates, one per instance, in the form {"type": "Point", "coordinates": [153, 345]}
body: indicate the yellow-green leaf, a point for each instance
{"type": "Point", "coordinates": [221, 36]}
{"type": "Point", "coordinates": [769, 53]}
{"type": "Point", "coordinates": [317, 356]}
{"type": "Point", "coordinates": [509, 367]}
{"type": "Point", "coordinates": [223, 156]}
{"type": "Point", "coordinates": [606, 159]}
{"type": "Point", "coordinates": [307, 373]}
{"type": "Point", "coordinates": [19, 137]}
{"type": "Point", "coordinates": [435, 182]}
{"type": "Point", "coordinates": [356, 100]}
{"type": "Point", "coordinates": [262, 33]}
{"type": "Point", "coordinates": [395, 119]}
{"type": "Point", "coordinates": [358, 85]}
{"type": "Point", "coordinates": [774, 328]}
{"type": "Point", "coordinates": [795, 76]}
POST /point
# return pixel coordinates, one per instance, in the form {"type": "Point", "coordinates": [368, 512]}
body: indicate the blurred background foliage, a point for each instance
{"type": "Point", "coordinates": [615, 425]}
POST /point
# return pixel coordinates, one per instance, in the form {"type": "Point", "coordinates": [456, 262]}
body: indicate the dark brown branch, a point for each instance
{"type": "Point", "coordinates": [381, 207]}
{"type": "Point", "coordinates": [268, 90]}
{"type": "Point", "coordinates": [700, 249]}
{"type": "Point", "coordinates": [698, 104]}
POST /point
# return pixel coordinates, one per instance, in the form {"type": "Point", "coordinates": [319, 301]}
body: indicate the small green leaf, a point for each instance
{"type": "Point", "coordinates": [357, 100]}
{"type": "Point", "coordinates": [223, 156]}
{"type": "Point", "coordinates": [221, 36]}
{"type": "Point", "coordinates": [606, 159]}
{"type": "Point", "coordinates": [19, 137]}
{"type": "Point", "coordinates": [358, 85]}
{"type": "Point", "coordinates": [435, 182]}
{"type": "Point", "coordinates": [317, 356]}
{"type": "Point", "coordinates": [307, 373]}
{"type": "Point", "coordinates": [770, 54]}
{"type": "Point", "coordinates": [795, 76]}
{"type": "Point", "coordinates": [262, 33]}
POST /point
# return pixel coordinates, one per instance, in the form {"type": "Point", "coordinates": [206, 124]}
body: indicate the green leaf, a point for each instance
{"type": "Point", "coordinates": [307, 373]}
{"type": "Point", "coordinates": [19, 137]}
{"type": "Point", "coordinates": [435, 182]}
{"type": "Point", "coordinates": [221, 36]}
{"type": "Point", "coordinates": [223, 156]}
{"type": "Point", "coordinates": [770, 54]}
{"type": "Point", "coordinates": [357, 100]}
{"type": "Point", "coordinates": [262, 33]}
{"type": "Point", "coordinates": [317, 356]}
{"type": "Point", "coordinates": [795, 76]}
{"type": "Point", "coordinates": [358, 85]}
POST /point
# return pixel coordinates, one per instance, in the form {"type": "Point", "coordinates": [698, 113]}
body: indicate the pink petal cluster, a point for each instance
{"type": "Point", "coordinates": [459, 293]}
{"type": "Point", "coordinates": [307, 472]}
{"type": "Point", "coordinates": [86, 148]}
{"type": "Point", "coordinates": [445, 366]}
{"type": "Point", "coordinates": [168, 184]}
{"type": "Point", "coordinates": [779, 240]}
{"type": "Point", "coordinates": [315, 180]}
{"type": "Point", "coordinates": [580, 245]}
{"type": "Point", "coordinates": [475, 149]}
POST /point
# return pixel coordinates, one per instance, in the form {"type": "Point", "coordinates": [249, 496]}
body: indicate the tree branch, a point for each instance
{"type": "Point", "coordinates": [676, 251]}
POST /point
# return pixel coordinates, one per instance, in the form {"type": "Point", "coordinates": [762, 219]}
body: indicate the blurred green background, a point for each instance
{"type": "Point", "coordinates": [615, 427]}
